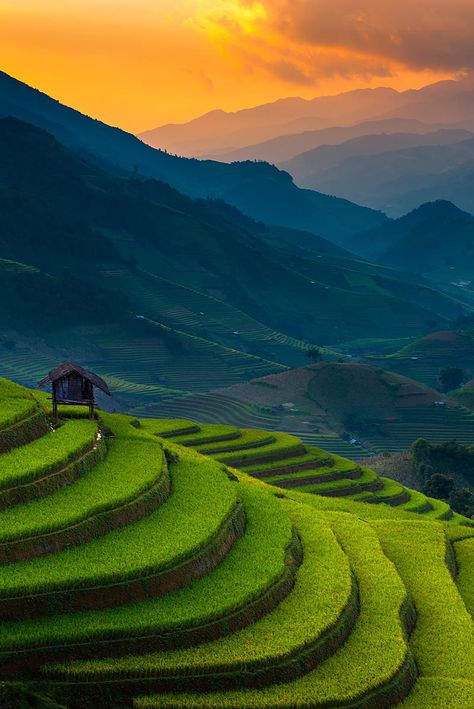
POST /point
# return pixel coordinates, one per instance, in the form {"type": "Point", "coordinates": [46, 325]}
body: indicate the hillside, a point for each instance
{"type": "Point", "coordinates": [434, 240]}
{"type": "Point", "coordinates": [212, 615]}
{"type": "Point", "coordinates": [82, 218]}
{"type": "Point", "coordinates": [259, 190]}
{"type": "Point", "coordinates": [423, 358]}
{"type": "Point", "coordinates": [116, 253]}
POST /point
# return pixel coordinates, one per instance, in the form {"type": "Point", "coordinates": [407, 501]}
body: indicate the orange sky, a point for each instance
{"type": "Point", "coordinates": [141, 63]}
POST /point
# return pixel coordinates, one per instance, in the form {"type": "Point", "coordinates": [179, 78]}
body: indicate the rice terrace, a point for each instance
{"type": "Point", "coordinates": [237, 354]}
{"type": "Point", "coordinates": [162, 563]}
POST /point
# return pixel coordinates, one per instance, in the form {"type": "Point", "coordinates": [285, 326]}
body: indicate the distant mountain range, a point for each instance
{"type": "Point", "coordinates": [387, 150]}
{"type": "Point", "coordinates": [394, 173]}
{"type": "Point", "coordinates": [443, 103]}
{"type": "Point", "coordinates": [333, 163]}
{"type": "Point", "coordinates": [261, 191]}
{"type": "Point", "coordinates": [284, 147]}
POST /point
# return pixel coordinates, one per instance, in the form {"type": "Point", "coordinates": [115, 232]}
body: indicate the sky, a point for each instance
{"type": "Point", "coordinates": [139, 64]}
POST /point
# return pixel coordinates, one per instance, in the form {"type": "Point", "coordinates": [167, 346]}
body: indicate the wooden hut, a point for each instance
{"type": "Point", "coordinates": [72, 385]}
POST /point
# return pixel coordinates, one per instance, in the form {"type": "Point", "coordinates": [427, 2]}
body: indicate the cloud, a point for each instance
{"type": "Point", "coordinates": [303, 41]}
{"type": "Point", "coordinates": [419, 34]}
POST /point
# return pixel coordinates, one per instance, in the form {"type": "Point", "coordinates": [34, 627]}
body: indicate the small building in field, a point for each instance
{"type": "Point", "coordinates": [72, 385]}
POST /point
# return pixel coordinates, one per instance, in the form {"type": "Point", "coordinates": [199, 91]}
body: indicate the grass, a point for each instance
{"type": "Point", "coordinates": [368, 477]}
{"type": "Point", "coordinates": [465, 580]}
{"type": "Point", "coordinates": [47, 454]}
{"type": "Point", "coordinates": [252, 566]}
{"type": "Point", "coordinates": [443, 639]}
{"type": "Point", "coordinates": [440, 693]}
{"type": "Point", "coordinates": [208, 433]}
{"type": "Point", "coordinates": [129, 470]}
{"type": "Point", "coordinates": [198, 486]}
{"type": "Point", "coordinates": [167, 428]}
{"type": "Point", "coordinates": [322, 593]}
{"type": "Point", "coordinates": [282, 446]}
{"type": "Point", "coordinates": [17, 403]}
{"type": "Point", "coordinates": [312, 455]}
{"type": "Point", "coordinates": [241, 630]}
{"type": "Point", "coordinates": [248, 438]}
{"type": "Point", "coordinates": [371, 656]}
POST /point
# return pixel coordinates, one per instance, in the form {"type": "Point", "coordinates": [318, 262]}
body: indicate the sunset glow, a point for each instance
{"type": "Point", "coordinates": [141, 63]}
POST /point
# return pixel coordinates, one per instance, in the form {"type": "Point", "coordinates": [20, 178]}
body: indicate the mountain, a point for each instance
{"type": "Point", "coordinates": [445, 102]}
{"type": "Point", "coordinates": [436, 239]}
{"type": "Point", "coordinates": [397, 181]}
{"type": "Point", "coordinates": [335, 162]}
{"type": "Point", "coordinates": [231, 130]}
{"type": "Point", "coordinates": [285, 147]}
{"type": "Point", "coordinates": [59, 211]}
{"type": "Point", "coordinates": [260, 190]}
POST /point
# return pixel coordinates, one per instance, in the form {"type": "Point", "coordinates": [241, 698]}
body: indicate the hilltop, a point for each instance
{"type": "Point", "coordinates": [222, 611]}
{"type": "Point", "coordinates": [434, 240]}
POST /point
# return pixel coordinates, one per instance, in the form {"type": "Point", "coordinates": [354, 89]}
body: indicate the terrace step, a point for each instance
{"type": "Point", "coordinates": [392, 493]}
{"type": "Point", "coordinates": [169, 428]}
{"type": "Point", "coordinates": [283, 446]}
{"type": "Point", "coordinates": [207, 435]}
{"type": "Point", "coordinates": [374, 668]}
{"type": "Point", "coordinates": [249, 439]}
{"type": "Point", "coordinates": [280, 646]}
{"type": "Point", "coordinates": [368, 481]}
{"type": "Point", "coordinates": [21, 419]}
{"type": "Point", "coordinates": [92, 576]}
{"type": "Point", "coordinates": [434, 692]}
{"type": "Point", "coordinates": [50, 462]}
{"type": "Point", "coordinates": [251, 580]}
{"type": "Point", "coordinates": [24, 431]}
{"type": "Point", "coordinates": [422, 555]}
{"type": "Point", "coordinates": [311, 478]}
{"type": "Point", "coordinates": [464, 552]}
{"type": "Point", "coordinates": [126, 486]}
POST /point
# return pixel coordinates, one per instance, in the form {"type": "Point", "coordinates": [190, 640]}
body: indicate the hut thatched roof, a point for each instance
{"type": "Point", "coordinates": [66, 368]}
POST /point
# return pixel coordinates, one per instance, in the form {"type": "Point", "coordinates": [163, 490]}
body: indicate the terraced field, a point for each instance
{"type": "Point", "coordinates": [434, 424]}
{"type": "Point", "coordinates": [212, 408]}
{"type": "Point", "coordinates": [284, 460]}
{"type": "Point", "coordinates": [160, 574]}
{"type": "Point", "coordinates": [423, 358]}
{"type": "Point", "coordinates": [194, 312]}
{"type": "Point", "coordinates": [148, 367]}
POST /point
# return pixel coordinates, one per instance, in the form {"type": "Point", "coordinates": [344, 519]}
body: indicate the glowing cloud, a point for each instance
{"type": "Point", "coordinates": [139, 63]}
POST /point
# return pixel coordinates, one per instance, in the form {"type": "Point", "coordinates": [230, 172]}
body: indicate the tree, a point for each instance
{"type": "Point", "coordinates": [314, 354]}
{"type": "Point", "coordinates": [450, 378]}
{"type": "Point", "coordinates": [462, 501]}
{"type": "Point", "coordinates": [440, 486]}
